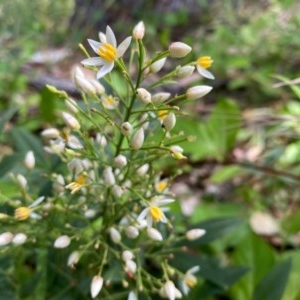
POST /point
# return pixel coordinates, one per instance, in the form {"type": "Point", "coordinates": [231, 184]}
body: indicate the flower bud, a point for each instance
{"type": "Point", "coordinates": [29, 160]}
{"type": "Point", "coordinates": [179, 49]}
{"type": "Point", "coordinates": [85, 85]}
{"type": "Point", "coordinates": [158, 65]}
{"type": "Point", "coordinates": [98, 86]}
{"type": "Point", "coordinates": [72, 105]}
{"type": "Point", "coordinates": [143, 95]}
{"type": "Point", "coordinates": [73, 259]}
{"type": "Point", "coordinates": [198, 91]}
{"type": "Point", "coordinates": [137, 140]}
{"type": "Point", "coordinates": [139, 31]}
{"type": "Point", "coordinates": [50, 133]}
{"type": "Point", "coordinates": [126, 128]}
{"type": "Point", "coordinates": [62, 242]}
{"type": "Point", "coordinates": [120, 161]}
{"type": "Point", "coordinates": [185, 71]}
{"type": "Point", "coordinates": [127, 255]}
{"type": "Point", "coordinates": [117, 191]}
{"type": "Point", "coordinates": [115, 235]}
{"type": "Point", "coordinates": [70, 121]}
{"type": "Point", "coordinates": [5, 238]}
{"type": "Point", "coordinates": [22, 181]}
{"type": "Point", "coordinates": [101, 140]}
{"type": "Point", "coordinates": [96, 286]}
{"type": "Point", "coordinates": [142, 171]}
{"type": "Point", "coordinates": [109, 177]}
{"type": "Point", "coordinates": [19, 239]}
{"type": "Point", "coordinates": [160, 97]}
{"type": "Point", "coordinates": [169, 122]}
{"type": "Point", "coordinates": [130, 266]}
{"type": "Point", "coordinates": [194, 234]}
{"type": "Point", "coordinates": [154, 234]}
{"type": "Point", "coordinates": [132, 232]}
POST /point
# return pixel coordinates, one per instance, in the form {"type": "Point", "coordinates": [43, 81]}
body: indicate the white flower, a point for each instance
{"type": "Point", "coordinates": [154, 234]}
{"type": "Point", "coordinates": [138, 139]}
{"type": "Point", "coordinates": [170, 291]}
{"type": "Point", "coordinates": [19, 239]}
{"type": "Point", "coordinates": [157, 65]}
{"type": "Point", "coordinates": [142, 170]}
{"type": "Point", "coordinates": [198, 91]}
{"type": "Point", "coordinates": [108, 52]}
{"type": "Point", "coordinates": [109, 102]}
{"type": "Point", "coordinates": [139, 31]}
{"type": "Point", "coordinates": [5, 238]}
{"type": "Point", "coordinates": [96, 286]}
{"type": "Point", "coordinates": [73, 142]}
{"type": "Point", "coordinates": [115, 235]}
{"type": "Point", "coordinates": [29, 160]}
{"type": "Point", "coordinates": [154, 212]}
{"type": "Point", "coordinates": [62, 242]}
{"type": "Point", "coordinates": [73, 259]}
{"type": "Point", "coordinates": [195, 234]}
{"type": "Point", "coordinates": [189, 280]}
{"type": "Point", "coordinates": [203, 63]}
{"type": "Point", "coordinates": [179, 49]}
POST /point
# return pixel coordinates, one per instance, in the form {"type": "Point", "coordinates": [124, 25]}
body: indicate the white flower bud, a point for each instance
{"type": "Point", "coordinates": [22, 181]}
{"type": "Point", "coordinates": [109, 177]}
{"type": "Point", "coordinates": [19, 239]}
{"type": "Point", "coordinates": [96, 286]}
{"type": "Point", "coordinates": [169, 122]}
{"type": "Point", "coordinates": [139, 31]}
{"type": "Point", "coordinates": [132, 232]}
{"type": "Point", "coordinates": [127, 255]}
{"type": "Point", "coordinates": [62, 242]}
{"type": "Point", "coordinates": [194, 234]}
{"type": "Point", "coordinates": [126, 128]}
{"type": "Point", "coordinates": [138, 139]}
{"type": "Point", "coordinates": [90, 213]}
{"type": "Point", "coordinates": [185, 71]}
{"type": "Point", "coordinates": [98, 86]}
{"type": "Point", "coordinates": [158, 65]}
{"type": "Point", "coordinates": [5, 238]}
{"type": "Point", "coordinates": [154, 234]}
{"type": "Point", "coordinates": [70, 121]}
{"type": "Point", "coordinates": [29, 160]}
{"type": "Point", "coordinates": [72, 105]}
{"type": "Point", "coordinates": [143, 95]}
{"type": "Point", "coordinates": [132, 296]}
{"type": "Point", "coordinates": [117, 191]}
{"type": "Point", "coordinates": [160, 97]}
{"type": "Point", "coordinates": [74, 143]}
{"type": "Point", "coordinates": [75, 166]}
{"type": "Point", "coordinates": [115, 235]}
{"type": "Point", "coordinates": [101, 140]}
{"type": "Point", "coordinates": [176, 148]}
{"type": "Point", "coordinates": [130, 266]}
{"type": "Point", "coordinates": [50, 133]}
{"type": "Point", "coordinates": [120, 161]}
{"type": "Point", "coordinates": [198, 91]}
{"type": "Point", "coordinates": [179, 49]}
{"type": "Point", "coordinates": [142, 171]}
{"type": "Point", "coordinates": [170, 291]}
{"type": "Point", "coordinates": [73, 259]}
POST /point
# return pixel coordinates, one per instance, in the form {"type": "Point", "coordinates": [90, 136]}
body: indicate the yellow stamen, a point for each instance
{"type": "Point", "coordinates": [108, 52]}
{"type": "Point", "coordinates": [76, 185]}
{"type": "Point", "coordinates": [162, 114]}
{"type": "Point", "coordinates": [190, 281]}
{"type": "Point", "coordinates": [109, 101]}
{"type": "Point", "coordinates": [204, 61]}
{"type": "Point", "coordinates": [156, 213]}
{"type": "Point", "coordinates": [22, 213]}
{"type": "Point", "coordinates": [161, 186]}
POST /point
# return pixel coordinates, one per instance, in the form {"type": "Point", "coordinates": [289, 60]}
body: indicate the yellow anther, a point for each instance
{"type": "Point", "coordinates": [22, 213]}
{"type": "Point", "coordinates": [190, 281]}
{"type": "Point", "coordinates": [108, 52]}
{"type": "Point", "coordinates": [156, 213]}
{"type": "Point", "coordinates": [161, 186]}
{"type": "Point", "coordinates": [204, 61]}
{"type": "Point", "coordinates": [162, 114]}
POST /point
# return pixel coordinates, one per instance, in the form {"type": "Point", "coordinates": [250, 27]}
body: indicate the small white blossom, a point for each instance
{"type": "Point", "coordinates": [179, 49]}
{"type": "Point", "coordinates": [115, 235]}
{"type": "Point", "coordinates": [74, 143]}
{"type": "Point", "coordinates": [185, 71]}
{"type": "Point", "coordinates": [108, 52]}
{"type": "Point", "coordinates": [109, 177]}
{"type": "Point", "coordinates": [120, 161]}
{"type": "Point", "coordinates": [50, 133]}
{"type": "Point", "coordinates": [138, 139]}
{"type": "Point", "coordinates": [22, 181]}
{"type": "Point", "coordinates": [62, 242]}
{"type": "Point", "coordinates": [19, 239]}
{"type": "Point", "coordinates": [154, 234]}
{"type": "Point", "coordinates": [109, 102]}
{"type": "Point", "coordinates": [132, 232]}
{"type": "Point", "coordinates": [202, 64]}
{"type": "Point", "coordinates": [70, 121]}
{"type": "Point", "coordinates": [169, 122]}
{"type": "Point", "coordinates": [127, 255]}
{"type": "Point", "coordinates": [29, 160]}
{"type": "Point", "coordinates": [101, 140]}
{"type": "Point", "coordinates": [139, 31]}
{"type": "Point", "coordinates": [130, 266]}
{"type": "Point", "coordinates": [189, 280]}
{"type": "Point", "coordinates": [142, 171]}
{"type": "Point", "coordinates": [198, 91]}
{"type": "Point", "coordinates": [72, 105]}
{"type": "Point", "coordinates": [73, 259]}
{"type": "Point", "coordinates": [132, 296]}
{"type": "Point", "coordinates": [96, 286]}
{"type": "Point", "coordinates": [117, 191]}
{"type": "Point", "coordinates": [6, 238]}
{"type": "Point", "coordinates": [195, 234]}
{"type": "Point", "coordinates": [170, 291]}
{"type": "Point", "coordinates": [158, 65]}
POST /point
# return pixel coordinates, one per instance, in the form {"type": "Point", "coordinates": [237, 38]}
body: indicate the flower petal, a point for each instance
{"type": "Point", "coordinates": [143, 214]}
{"type": "Point", "coordinates": [107, 67]}
{"type": "Point", "coordinates": [205, 73]}
{"type": "Point", "coordinates": [93, 61]}
{"type": "Point", "coordinates": [123, 47]}
{"type": "Point", "coordinates": [95, 45]}
{"type": "Point", "coordinates": [102, 37]}
{"type": "Point", "coordinates": [110, 37]}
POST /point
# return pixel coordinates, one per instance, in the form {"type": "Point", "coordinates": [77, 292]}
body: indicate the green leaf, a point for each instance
{"type": "Point", "coordinates": [6, 117]}
{"type": "Point", "coordinates": [216, 228]}
{"type": "Point", "coordinates": [8, 162]}
{"type": "Point", "coordinates": [226, 173]}
{"type": "Point", "coordinates": [47, 105]}
{"type": "Point", "coordinates": [273, 285]}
